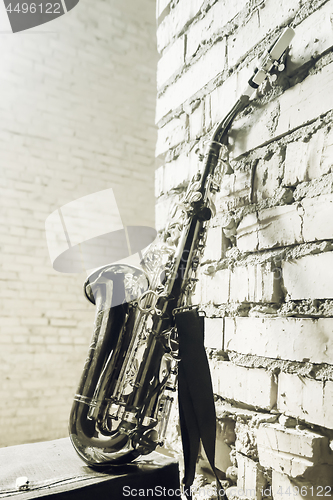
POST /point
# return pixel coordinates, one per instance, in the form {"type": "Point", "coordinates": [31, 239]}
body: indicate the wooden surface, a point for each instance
{"type": "Point", "coordinates": [55, 471]}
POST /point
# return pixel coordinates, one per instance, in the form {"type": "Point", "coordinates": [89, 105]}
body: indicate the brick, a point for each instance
{"type": "Point", "coordinates": [295, 339]}
{"type": "Point", "coordinates": [235, 191]}
{"type": "Point", "coordinates": [211, 24]}
{"type": "Point", "coordinates": [310, 277]}
{"type": "Point", "coordinates": [246, 430]}
{"type": "Point", "coordinates": [256, 283]}
{"type": "Point", "coordinates": [247, 233]}
{"type": "Point", "coordinates": [326, 156]}
{"type": "Point", "coordinates": [171, 61]}
{"type": "Point", "coordinates": [279, 226]}
{"type": "Point", "coordinates": [273, 227]}
{"type": "Point", "coordinates": [256, 28]}
{"type": "Point", "coordinates": [180, 171]}
{"type": "Point", "coordinates": [251, 480]}
{"type": "Point", "coordinates": [197, 122]}
{"type": "Point", "coordinates": [244, 39]}
{"type": "Point", "coordinates": [317, 218]}
{"type": "Point", "coordinates": [282, 16]}
{"type": "Point", "coordinates": [252, 386]}
{"type": "Point", "coordinates": [304, 160]}
{"type": "Point", "coordinates": [175, 22]}
{"type": "Point", "coordinates": [239, 285]}
{"type": "Point", "coordinates": [173, 133]}
{"type": "Point", "coordinates": [214, 333]}
{"type": "Point", "coordinates": [286, 113]}
{"type": "Point", "coordinates": [308, 399]}
{"type": "Point", "coordinates": [213, 247]}
{"type": "Point", "coordinates": [193, 80]}
{"type": "Point", "coordinates": [291, 451]}
{"type": "Point", "coordinates": [312, 37]}
{"type": "Point", "coordinates": [215, 289]}
{"type": "Point", "coordinates": [267, 176]}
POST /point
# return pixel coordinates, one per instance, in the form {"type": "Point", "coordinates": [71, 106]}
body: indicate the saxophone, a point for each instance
{"type": "Point", "coordinates": [123, 402]}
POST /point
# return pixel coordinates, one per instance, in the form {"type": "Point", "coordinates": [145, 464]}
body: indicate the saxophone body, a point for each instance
{"type": "Point", "coordinates": [125, 393]}
{"type": "Point", "coordinates": [122, 405]}
{"type": "Point", "coordinates": [123, 402]}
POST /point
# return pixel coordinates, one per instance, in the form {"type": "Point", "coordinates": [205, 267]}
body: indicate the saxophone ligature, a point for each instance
{"type": "Point", "coordinates": [122, 405]}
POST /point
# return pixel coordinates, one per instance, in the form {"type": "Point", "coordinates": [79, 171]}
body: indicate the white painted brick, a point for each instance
{"type": "Point", "coordinates": [215, 289]}
{"type": "Point", "coordinates": [251, 480]}
{"type": "Point", "coordinates": [295, 339]}
{"type": "Point", "coordinates": [211, 24]}
{"type": "Point", "coordinates": [244, 39]}
{"type": "Point", "coordinates": [308, 399]}
{"type": "Point", "coordinates": [290, 450]}
{"type": "Point", "coordinates": [273, 227]}
{"type": "Point", "coordinates": [257, 283]}
{"type": "Point", "coordinates": [286, 113]}
{"type": "Point", "coordinates": [213, 248]}
{"type": "Point", "coordinates": [267, 177]}
{"type": "Point", "coordinates": [281, 16]}
{"type": "Point", "coordinates": [317, 219]}
{"type": "Point", "coordinates": [171, 134]}
{"type": "Point", "coordinates": [304, 160]}
{"type": "Point", "coordinates": [197, 122]}
{"type": "Point", "coordinates": [178, 172]}
{"type": "Point", "coordinates": [197, 292]}
{"type": "Point", "coordinates": [235, 191]}
{"type": "Point", "coordinates": [239, 285]}
{"type": "Point", "coordinates": [310, 277]}
{"type": "Point", "coordinates": [258, 26]}
{"type": "Point", "coordinates": [247, 233]}
{"type": "Point", "coordinates": [174, 23]}
{"type": "Point", "coordinates": [196, 77]}
{"type": "Point", "coordinates": [295, 163]}
{"type": "Point", "coordinates": [326, 157]}
{"type": "Point", "coordinates": [312, 37]}
{"type": "Point", "coordinates": [171, 61]}
{"type": "Point", "coordinates": [214, 333]}
{"type": "Point", "coordinates": [252, 386]}
{"type": "Point", "coordinates": [279, 226]}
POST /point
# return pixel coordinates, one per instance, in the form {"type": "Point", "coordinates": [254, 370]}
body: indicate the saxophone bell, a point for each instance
{"type": "Point", "coordinates": [105, 427]}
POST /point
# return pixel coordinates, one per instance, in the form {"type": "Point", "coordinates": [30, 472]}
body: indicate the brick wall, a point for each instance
{"type": "Point", "coordinates": [77, 116]}
{"type": "Point", "coordinates": [266, 276]}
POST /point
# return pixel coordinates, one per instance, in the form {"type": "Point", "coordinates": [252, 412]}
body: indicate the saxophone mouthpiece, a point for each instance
{"type": "Point", "coordinates": [270, 59]}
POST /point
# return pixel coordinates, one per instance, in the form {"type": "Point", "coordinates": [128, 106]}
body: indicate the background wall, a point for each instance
{"type": "Point", "coordinates": [267, 273]}
{"type": "Point", "coordinates": [77, 116]}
